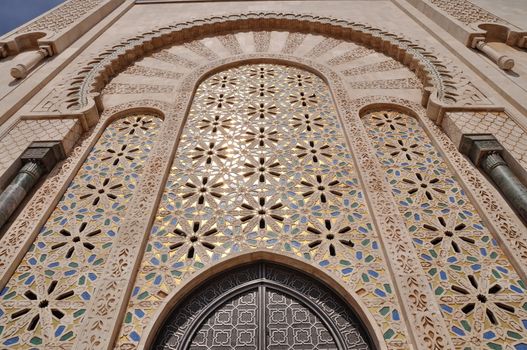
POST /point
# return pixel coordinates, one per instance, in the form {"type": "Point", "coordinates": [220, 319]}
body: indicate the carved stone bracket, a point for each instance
{"type": "Point", "coordinates": [26, 61]}
{"type": "Point", "coordinates": [503, 61]}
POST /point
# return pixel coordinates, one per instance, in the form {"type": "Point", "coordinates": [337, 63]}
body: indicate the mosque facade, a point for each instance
{"type": "Point", "coordinates": [276, 175]}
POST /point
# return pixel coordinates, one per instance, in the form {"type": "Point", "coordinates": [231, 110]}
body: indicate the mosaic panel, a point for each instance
{"type": "Point", "coordinates": [481, 296]}
{"type": "Point", "coordinates": [45, 299]}
{"type": "Point", "coordinates": [263, 163]}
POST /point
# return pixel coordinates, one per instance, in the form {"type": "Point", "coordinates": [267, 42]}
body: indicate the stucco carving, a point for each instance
{"type": "Point", "coordinates": [323, 47]}
{"type": "Point", "coordinates": [294, 40]}
{"type": "Point", "coordinates": [262, 40]}
{"type": "Point", "coordinates": [62, 17]}
{"type": "Point", "coordinates": [419, 305]}
{"type": "Point", "coordinates": [349, 56]}
{"type": "Point", "coordinates": [231, 43]}
{"type": "Point", "coordinates": [428, 66]}
{"type": "Point", "coordinates": [374, 67]}
{"type": "Point", "coordinates": [202, 50]}
{"type": "Point", "coordinates": [403, 83]}
{"type": "Point", "coordinates": [117, 88]}
{"type": "Point", "coordinates": [24, 230]}
{"type": "Point", "coordinates": [171, 58]}
{"type": "Point", "coordinates": [114, 291]}
{"type": "Point", "coordinates": [465, 11]}
{"type": "Point", "coordinates": [152, 72]}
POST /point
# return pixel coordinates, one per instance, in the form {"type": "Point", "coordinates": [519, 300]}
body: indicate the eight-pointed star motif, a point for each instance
{"type": "Point", "coordinates": [328, 237]}
{"type": "Point", "coordinates": [195, 240]}
{"type": "Point", "coordinates": [223, 81]}
{"type": "Point", "coordinates": [262, 170]}
{"type": "Point", "coordinates": [217, 123]}
{"type": "Point", "coordinates": [120, 154]}
{"type": "Point", "coordinates": [389, 121]}
{"type": "Point", "coordinates": [102, 192]}
{"type": "Point", "coordinates": [139, 125]}
{"type": "Point", "coordinates": [202, 190]}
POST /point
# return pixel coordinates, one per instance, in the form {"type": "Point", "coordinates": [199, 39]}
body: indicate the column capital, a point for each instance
{"type": "Point", "coordinates": [492, 161]}
{"type": "Point", "coordinates": [44, 153]}
{"type": "Point", "coordinates": [478, 146]}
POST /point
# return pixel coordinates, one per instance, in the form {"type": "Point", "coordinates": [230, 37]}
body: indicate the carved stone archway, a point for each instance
{"type": "Point", "coordinates": [444, 84]}
{"type": "Point", "coordinates": [264, 293]}
{"type": "Point", "coordinates": [163, 153]}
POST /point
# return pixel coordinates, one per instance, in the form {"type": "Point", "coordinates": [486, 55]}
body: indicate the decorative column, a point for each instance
{"type": "Point", "coordinates": [26, 61]}
{"type": "Point", "coordinates": [38, 159]}
{"type": "Point", "coordinates": [503, 61]}
{"type": "Point", "coordinates": [484, 151]}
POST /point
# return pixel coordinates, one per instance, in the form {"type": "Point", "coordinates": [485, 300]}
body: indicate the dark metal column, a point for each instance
{"type": "Point", "coordinates": [484, 151]}
{"type": "Point", "coordinates": [38, 159]}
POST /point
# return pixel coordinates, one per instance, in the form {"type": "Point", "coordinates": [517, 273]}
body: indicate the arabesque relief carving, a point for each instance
{"type": "Point", "coordinates": [62, 16]}
{"type": "Point", "coordinates": [248, 177]}
{"type": "Point", "coordinates": [417, 302]}
{"type": "Point", "coordinates": [431, 70]}
{"type": "Point", "coordinates": [466, 12]}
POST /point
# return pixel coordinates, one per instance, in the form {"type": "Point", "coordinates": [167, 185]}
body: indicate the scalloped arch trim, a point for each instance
{"type": "Point", "coordinates": [434, 74]}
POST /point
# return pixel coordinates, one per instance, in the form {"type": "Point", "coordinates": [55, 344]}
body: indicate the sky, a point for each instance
{"type": "Point", "coordinates": [14, 13]}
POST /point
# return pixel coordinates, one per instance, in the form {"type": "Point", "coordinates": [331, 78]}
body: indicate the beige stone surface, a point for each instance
{"type": "Point", "coordinates": [513, 11]}
{"type": "Point", "coordinates": [511, 135]}
{"type": "Point", "coordinates": [16, 140]}
{"type": "Point", "coordinates": [363, 71]}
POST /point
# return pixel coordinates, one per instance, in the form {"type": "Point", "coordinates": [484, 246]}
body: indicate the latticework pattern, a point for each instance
{"type": "Point", "coordinates": [481, 296]}
{"type": "Point", "coordinates": [46, 298]}
{"type": "Point", "coordinates": [262, 163]}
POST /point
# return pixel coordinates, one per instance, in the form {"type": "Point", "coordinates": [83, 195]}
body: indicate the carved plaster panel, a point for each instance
{"type": "Point", "coordinates": [417, 302]}
{"type": "Point", "coordinates": [62, 17]}
{"type": "Point", "coordinates": [466, 12]}
{"type": "Point", "coordinates": [430, 69]}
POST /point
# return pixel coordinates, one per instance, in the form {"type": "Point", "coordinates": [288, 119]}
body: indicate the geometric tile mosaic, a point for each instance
{"type": "Point", "coordinates": [482, 298]}
{"type": "Point", "coordinates": [46, 298]}
{"type": "Point", "coordinates": [263, 163]}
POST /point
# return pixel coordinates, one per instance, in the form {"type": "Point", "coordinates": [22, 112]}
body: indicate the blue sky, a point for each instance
{"type": "Point", "coordinates": [14, 13]}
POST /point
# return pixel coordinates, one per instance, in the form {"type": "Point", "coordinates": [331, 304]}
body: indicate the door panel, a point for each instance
{"type": "Point", "coordinates": [292, 326]}
{"type": "Point", "coordinates": [263, 307]}
{"type": "Point", "coordinates": [234, 325]}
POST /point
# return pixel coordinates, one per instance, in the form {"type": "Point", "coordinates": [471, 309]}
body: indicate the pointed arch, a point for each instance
{"type": "Point", "coordinates": [49, 288]}
{"type": "Point", "coordinates": [185, 291]}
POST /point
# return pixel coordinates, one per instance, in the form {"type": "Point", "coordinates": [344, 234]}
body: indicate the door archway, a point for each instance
{"type": "Point", "coordinates": [262, 306]}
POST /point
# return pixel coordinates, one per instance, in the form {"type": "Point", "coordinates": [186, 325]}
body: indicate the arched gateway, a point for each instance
{"type": "Point", "coordinates": [259, 181]}
{"type": "Point", "coordinates": [262, 306]}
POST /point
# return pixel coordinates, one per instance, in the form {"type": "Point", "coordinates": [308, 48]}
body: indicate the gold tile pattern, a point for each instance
{"type": "Point", "coordinates": [262, 163]}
